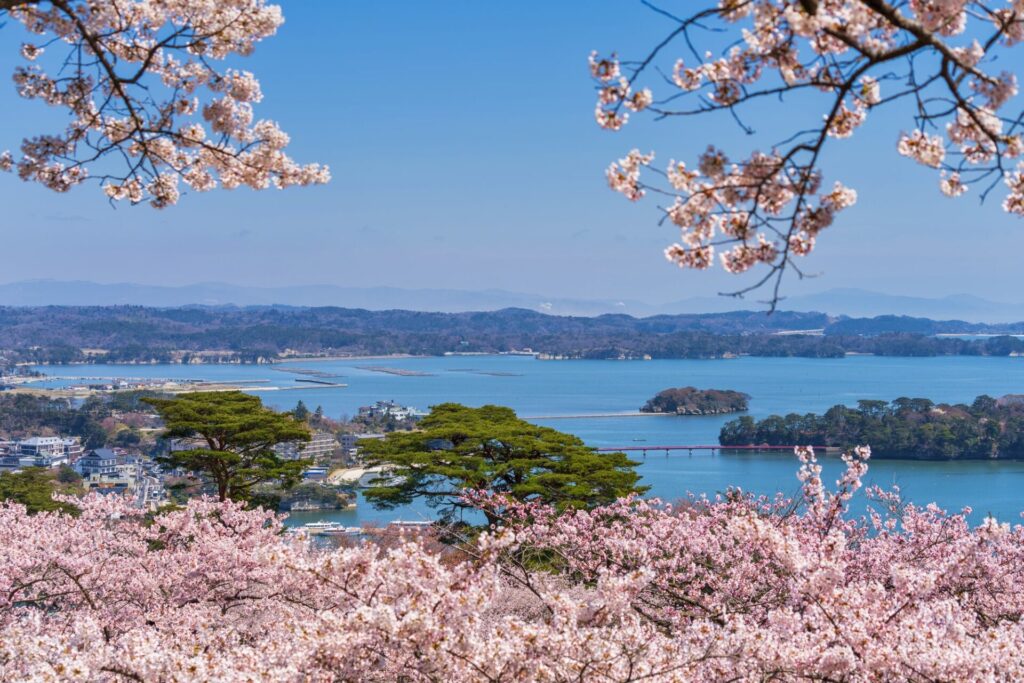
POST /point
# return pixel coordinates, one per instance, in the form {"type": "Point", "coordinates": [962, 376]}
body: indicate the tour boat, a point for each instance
{"type": "Point", "coordinates": [316, 528]}
{"type": "Point", "coordinates": [342, 531]}
{"type": "Point", "coordinates": [410, 524]}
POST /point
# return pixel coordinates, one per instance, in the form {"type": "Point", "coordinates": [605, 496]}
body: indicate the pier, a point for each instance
{"type": "Point", "coordinates": [321, 382]}
{"type": "Point", "coordinates": [712, 448]}
{"type": "Point", "coordinates": [587, 416]}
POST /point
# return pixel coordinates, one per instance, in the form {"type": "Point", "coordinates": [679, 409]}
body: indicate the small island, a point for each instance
{"type": "Point", "coordinates": [694, 401]}
{"type": "Point", "coordinates": [307, 497]}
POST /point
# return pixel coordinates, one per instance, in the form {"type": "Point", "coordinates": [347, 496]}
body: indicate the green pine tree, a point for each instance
{"type": "Point", "coordinates": [34, 487]}
{"type": "Point", "coordinates": [234, 435]}
{"type": "Point", "coordinates": [458, 448]}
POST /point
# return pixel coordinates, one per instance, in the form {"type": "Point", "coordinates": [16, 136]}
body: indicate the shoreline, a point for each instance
{"type": "Point", "coordinates": [274, 361]}
{"type": "Point", "coordinates": [313, 359]}
{"type": "Point", "coordinates": [307, 359]}
{"type": "Point", "coordinates": [584, 416]}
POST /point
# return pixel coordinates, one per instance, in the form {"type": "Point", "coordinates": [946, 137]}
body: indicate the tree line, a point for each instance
{"type": "Point", "coordinates": [903, 428]}
{"type": "Point", "coordinates": [57, 334]}
{"type": "Point", "coordinates": [101, 420]}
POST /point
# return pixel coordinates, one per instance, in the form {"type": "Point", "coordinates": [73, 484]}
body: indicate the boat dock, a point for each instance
{"type": "Point", "coordinates": [711, 448]}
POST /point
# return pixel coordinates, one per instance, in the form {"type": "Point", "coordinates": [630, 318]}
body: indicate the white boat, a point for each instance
{"type": "Point", "coordinates": [317, 528]}
{"type": "Point", "coordinates": [342, 531]}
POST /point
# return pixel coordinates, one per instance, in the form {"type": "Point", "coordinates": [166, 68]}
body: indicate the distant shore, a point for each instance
{"type": "Point", "coordinates": [271, 361]}
{"type": "Point", "coordinates": [584, 416]}
{"type": "Point", "coordinates": [306, 359]}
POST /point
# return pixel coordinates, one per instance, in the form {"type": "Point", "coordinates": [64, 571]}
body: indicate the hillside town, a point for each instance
{"type": "Point", "coordinates": [330, 473]}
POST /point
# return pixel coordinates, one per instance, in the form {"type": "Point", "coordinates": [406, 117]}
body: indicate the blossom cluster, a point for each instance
{"type": "Point", "coordinates": [766, 208]}
{"type": "Point", "coordinates": [730, 588]}
{"type": "Point", "coordinates": [149, 109]}
{"type": "Point", "coordinates": [615, 92]}
{"type": "Point", "coordinates": [734, 204]}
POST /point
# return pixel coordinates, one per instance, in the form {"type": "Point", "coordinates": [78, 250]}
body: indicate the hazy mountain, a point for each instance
{"type": "Point", "coordinates": [851, 302]}
{"type": "Point", "coordinates": [81, 293]}
{"type": "Point", "coordinates": [863, 303]}
{"type": "Point", "coordinates": [858, 303]}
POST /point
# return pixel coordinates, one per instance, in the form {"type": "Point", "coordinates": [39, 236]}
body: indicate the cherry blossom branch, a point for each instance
{"type": "Point", "coordinates": [734, 587]}
{"type": "Point", "coordinates": [768, 210]}
{"type": "Point", "coordinates": [202, 132]}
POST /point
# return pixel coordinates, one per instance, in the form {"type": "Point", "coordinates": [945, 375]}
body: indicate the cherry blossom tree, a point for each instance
{"type": "Point", "coordinates": [768, 207]}
{"type": "Point", "coordinates": [151, 106]}
{"type": "Point", "coordinates": [732, 588]}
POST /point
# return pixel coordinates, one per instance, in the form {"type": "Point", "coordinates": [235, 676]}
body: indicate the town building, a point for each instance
{"type": "Point", "coordinates": [315, 474]}
{"type": "Point", "coordinates": [349, 443]}
{"type": "Point", "coordinates": [386, 409]}
{"type": "Point", "coordinates": [321, 446]}
{"type": "Point", "coordinates": [39, 451]}
{"type": "Point", "coordinates": [100, 462]}
{"type": "Point", "coordinates": [117, 479]}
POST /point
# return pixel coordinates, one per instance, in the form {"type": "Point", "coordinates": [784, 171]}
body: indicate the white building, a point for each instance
{"type": "Point", "coordinates": [118, 479]}
{"type": "Point", "coordinates": [321, 445]}
{"type": "Point", "coordinates": [41, 451]}
{"type": "Point", "coordinates": [100, 462]}
{"type": "Point", "coordinates": [390, 409]}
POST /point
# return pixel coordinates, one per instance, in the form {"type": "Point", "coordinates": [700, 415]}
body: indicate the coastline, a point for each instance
{"type": "Point", "coordinates": [306, 359]}
{"type": "Point", "coordinates": [584, 416]}
{"type": "Point", "coordinates": [270, 361]}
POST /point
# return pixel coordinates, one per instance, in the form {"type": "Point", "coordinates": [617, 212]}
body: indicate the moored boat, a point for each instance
{"type": "Point", "coordinates": [342, 531]}
{"type": "Point", "coordinates": [317, 528]}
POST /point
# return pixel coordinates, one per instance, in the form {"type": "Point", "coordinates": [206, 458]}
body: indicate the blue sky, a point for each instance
{"type": "Point", "coordinates": [464, 154]}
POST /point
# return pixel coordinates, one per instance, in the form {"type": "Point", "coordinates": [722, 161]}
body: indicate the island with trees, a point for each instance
{"type": "Point", "coordinates": [915, 428]}
{"type": "Point", "coordinates": [305, 497]}
{"type": "Point", "coordinates": [694, 401]}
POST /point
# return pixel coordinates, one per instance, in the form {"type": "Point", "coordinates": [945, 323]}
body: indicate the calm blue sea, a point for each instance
{"type": "Point", "coordinates": [544, 389]}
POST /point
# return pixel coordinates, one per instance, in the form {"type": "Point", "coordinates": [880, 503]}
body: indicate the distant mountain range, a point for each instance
{"type": "Point", "coordinates": [850, 302]}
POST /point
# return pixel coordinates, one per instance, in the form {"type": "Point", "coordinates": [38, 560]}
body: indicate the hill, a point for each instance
{"type": "Point", "coordinates": [253, 334]}
{"type": "Point", "coordinates": [694, 401]}
{"type": "Point", "coordinates": [850, 302]}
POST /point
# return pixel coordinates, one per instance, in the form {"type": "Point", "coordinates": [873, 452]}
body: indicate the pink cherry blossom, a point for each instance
{"type": "Point", "coordinates": [734, 587]}
{"type": "Point", "coordinates": [951, 186]}
{"type": "Point", "coordinates": [929, 150]}
{"type": "Point", "coordinates": [624, 175]}
{"type": "Point", "coordinates": [836, 53]}
{"type": "Point", "coordinates": [149, 106]}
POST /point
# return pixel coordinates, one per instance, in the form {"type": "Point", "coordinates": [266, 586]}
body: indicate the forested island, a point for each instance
{"type": "Point", "coordinates": [694, 401]}
{"type": "Point", "coordinates": [904, 428]}
{"type": "Point", "coordinates": [136, 334]}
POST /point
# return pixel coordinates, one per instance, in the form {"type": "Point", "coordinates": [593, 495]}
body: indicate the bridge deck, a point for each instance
{"type": "Point", "coordinates": [704, 447]}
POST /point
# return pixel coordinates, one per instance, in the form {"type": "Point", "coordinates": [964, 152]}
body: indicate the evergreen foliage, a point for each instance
{"type": "Point", "coordinates": [34, 487]}
{"type": "Point", "coordinates": [904, 428]}
{"type": "Point", "coordinates": [233, 436]}
{"type": "Point", "coordinates": [459, 449]}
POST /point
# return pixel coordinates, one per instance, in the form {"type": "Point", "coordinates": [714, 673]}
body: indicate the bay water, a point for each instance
{"type": "Point", "coordinates": [567, 395]}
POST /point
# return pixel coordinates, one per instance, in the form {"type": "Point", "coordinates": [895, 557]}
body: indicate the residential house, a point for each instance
{"type": "Point", "coordinates": [100, 462]}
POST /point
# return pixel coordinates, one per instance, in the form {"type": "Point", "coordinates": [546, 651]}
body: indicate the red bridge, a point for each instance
{"type": "Point", "coordinates": [712, 448]}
